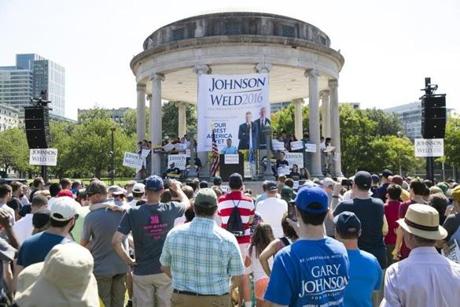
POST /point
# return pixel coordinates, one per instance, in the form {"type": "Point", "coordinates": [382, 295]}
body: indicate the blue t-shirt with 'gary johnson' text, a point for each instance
{"type": "Point", "coordinates": [309, 273]}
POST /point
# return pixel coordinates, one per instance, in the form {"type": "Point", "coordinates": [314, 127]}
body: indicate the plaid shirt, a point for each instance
{"type": "Point", "coordinates": [202, 257]}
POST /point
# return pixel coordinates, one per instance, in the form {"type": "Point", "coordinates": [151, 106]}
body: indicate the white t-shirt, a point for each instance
{"type": "Point", "coordinates": [271, 210]}
{"type": "Point", "coordinates": [133, 203]}
{"type": "Point", "coordinates": [256, 267]}
{"type": "Point", "coordinates": [348, 195]}
{"type": "Point", "coordinates": [24, 228]}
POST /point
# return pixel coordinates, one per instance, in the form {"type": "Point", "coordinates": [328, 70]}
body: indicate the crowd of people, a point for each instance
{"type": "Point", "coordinates": [361, 241]}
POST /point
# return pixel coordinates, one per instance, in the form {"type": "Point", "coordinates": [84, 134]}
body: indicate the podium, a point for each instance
{"type": "Point", "coordinates": [227, 169]}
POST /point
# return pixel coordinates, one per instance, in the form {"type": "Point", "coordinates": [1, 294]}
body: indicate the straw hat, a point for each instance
{"type": "Point", "coordinates": [423, 221]}
{"type": "Point", "coordinates": [65, 278]}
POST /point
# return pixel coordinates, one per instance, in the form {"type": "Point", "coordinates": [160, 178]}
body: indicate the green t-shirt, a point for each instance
{"type": "Point", "coordinates": [78, 228]}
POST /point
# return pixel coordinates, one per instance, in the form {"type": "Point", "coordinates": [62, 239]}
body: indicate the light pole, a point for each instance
{"type": "Point", "coordinates": [112, 153]}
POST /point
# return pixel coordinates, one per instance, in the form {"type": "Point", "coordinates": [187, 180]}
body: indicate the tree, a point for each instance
{"type": "Point", "coordinates": [170, 122]}
{"type": "Point", "coordinates": [61, 139]}
{"type": "Point", "coordinates": [283, 120]}
{"type": "Point", "coordinates": [130, 121]}
{"type": "Point", "coordinates": [356, 132]}
{"type": "Point", "coordinates": [392, 152]}
{"type": "Point", "coordinates": [452, 141]}
{"type": "Point", "coordinates": [84, 148]}
{"type": "Point", "coordinates": [90, 147]}
{"type": "Point", "coordinates": [386, 123]}
{"type": "Point", "coordinates": [14, 151]}
{"type": "Point", "coordinates": [92, 114]}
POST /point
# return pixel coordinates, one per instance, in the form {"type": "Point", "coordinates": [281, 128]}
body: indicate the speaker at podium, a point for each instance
{"type": "Point", "coordinates": [231, 163]}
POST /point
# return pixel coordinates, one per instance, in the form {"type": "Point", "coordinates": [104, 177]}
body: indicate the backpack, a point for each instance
{"type": "Point", "coordinates": [235, 223]}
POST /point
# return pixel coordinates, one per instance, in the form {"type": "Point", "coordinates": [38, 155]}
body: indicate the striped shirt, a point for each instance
{"type": "Point", "coordinates": [246, 208]}
{"type": "Point", "coordinates": [202, 257]}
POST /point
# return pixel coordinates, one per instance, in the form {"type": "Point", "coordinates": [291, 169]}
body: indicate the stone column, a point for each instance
{"type": "Point", "coordinates": [325, 114]}
{"type": "Point", "coordinates": [203, 156]}
{"type": "Point", "coordinates": [335, 127]}
{"type": "Point", "coordinates": [181, 119]}
{"type": "Point", "coordinates": [268, 175]}
{"type": "Point", "coordinates": [140, 112]}
{"type": "Point", "coordinates": [314, 128]}
{"type": "Point", "coordinates": [155, 121]}
{"type": "Point", "coordinates": [298, 118]}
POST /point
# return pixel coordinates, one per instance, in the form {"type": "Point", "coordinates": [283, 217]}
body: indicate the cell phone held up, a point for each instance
{"type": "Point", "coordinates": [291, 211]}
{"type": "Point", "coordinates": [346, 183]}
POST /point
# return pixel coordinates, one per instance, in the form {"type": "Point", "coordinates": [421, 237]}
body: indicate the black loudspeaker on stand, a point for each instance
{"type": "Point", "coordinates": [36, 120]}
{"type": "Point", "coordinates": [434, 118]}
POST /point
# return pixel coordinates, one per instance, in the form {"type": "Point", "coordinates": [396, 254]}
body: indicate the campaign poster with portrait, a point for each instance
{"type": "Point", "coordinates": [236, 108]}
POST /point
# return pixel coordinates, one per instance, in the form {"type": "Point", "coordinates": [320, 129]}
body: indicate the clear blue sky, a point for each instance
{"type": "Point", "coordinates": [389, 46]}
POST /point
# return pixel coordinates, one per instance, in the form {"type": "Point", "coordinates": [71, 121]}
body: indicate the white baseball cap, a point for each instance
{"type": "Point", "coordinates": [63, 208]}
{"type": "Point", "coordinates": [139, 188]}
{"type": "Point", "coordinates": [327, 182]}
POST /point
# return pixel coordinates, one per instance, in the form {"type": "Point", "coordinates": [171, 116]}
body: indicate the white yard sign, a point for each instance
{"type": "Point", "coordinates": [232, 159]}
{"type": "Point", "coordinates": [429, 147]}
{"type": "Point", "coordinates": [295, 158]}
{"type": "Point", "coordinates": [133, 160]}
{"type": "Point", "coordinates": [180, 161]}
{"type": "Point", "coordinates": [43, 156]}
{"type": "Point", "coordinates": [309, 147]}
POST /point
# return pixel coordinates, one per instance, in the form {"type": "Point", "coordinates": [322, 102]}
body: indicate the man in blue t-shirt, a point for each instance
{"type": "Point", "coordinates": [365, 270]}
{"type": "Point", "coordinates": [63, 213]}
{"type": "Point", "coordinates": [314, 270]}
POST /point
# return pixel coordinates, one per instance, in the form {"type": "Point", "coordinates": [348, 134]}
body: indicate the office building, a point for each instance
{"type": "Point", "coordinates": [30, 77]}
{"type": "Point", "coordinates": [410, 115]}
{"type": "Point", "coordinates": [9, 117]}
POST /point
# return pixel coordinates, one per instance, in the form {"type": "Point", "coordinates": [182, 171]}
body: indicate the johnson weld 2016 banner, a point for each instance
{"type": "Point", "coordinates": [237, 108]}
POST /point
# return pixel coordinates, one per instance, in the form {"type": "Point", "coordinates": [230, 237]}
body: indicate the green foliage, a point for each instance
{"type": "Point", "coordinates": [368, 137]}
{"type": "Point", "coordinates": [89, 149]}
{"type": "Point", "coordinates": [170, 122]}
{"type": "Point", "coordinates": [283, 120]}
{"type": "Point", "coordinates": [369, 141]}
{"type": "Point", "coordinates": [92, 114]}
{"type": "Point", "coordinates": [392, 152]}
{"type": "Point", "coordinates": [386, 123]}
{"type": "Point", "coordinates": [356, 132]}
{"type": "Point", "coordinates": [130, 120]}
{"type": "Point", "coordinates": [14, 152]}
{"type": "Point", "coordinates": [84, 148]}
{"type": "Point", "coordinates": [452, 141]}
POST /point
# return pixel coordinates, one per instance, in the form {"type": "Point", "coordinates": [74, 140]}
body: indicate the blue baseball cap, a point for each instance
{"type": "Point", "coordinates": [312, 200]}
{"type": "Point", "coordinates": [347, 223]}
{"type": "Point", "coordinates": [154, 183]}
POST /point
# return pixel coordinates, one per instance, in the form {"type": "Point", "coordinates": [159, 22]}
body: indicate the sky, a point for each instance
{"type": "Point", "coordinates": [389, 46]}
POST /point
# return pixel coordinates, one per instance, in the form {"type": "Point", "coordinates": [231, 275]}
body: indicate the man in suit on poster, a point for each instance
{"type": "Point", "coordinates": [260, 124]}
{"type": "Point", "coordinates": [246, 134]}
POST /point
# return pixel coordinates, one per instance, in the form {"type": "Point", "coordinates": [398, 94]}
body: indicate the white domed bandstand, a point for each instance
{"type": "Point", "coordinates": [297, 55]}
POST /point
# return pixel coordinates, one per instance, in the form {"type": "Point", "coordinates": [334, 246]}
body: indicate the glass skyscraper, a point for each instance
{"type": "Point", "coordinates": [32, 75]}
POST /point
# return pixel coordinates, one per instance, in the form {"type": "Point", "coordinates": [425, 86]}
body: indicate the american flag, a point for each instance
{"type": "Point", "coordinates": [215, 155]}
